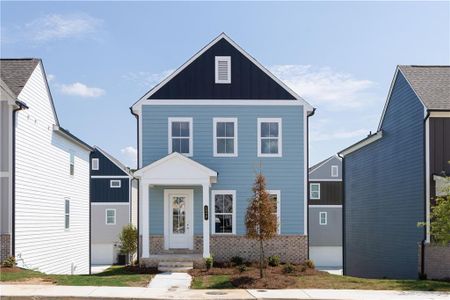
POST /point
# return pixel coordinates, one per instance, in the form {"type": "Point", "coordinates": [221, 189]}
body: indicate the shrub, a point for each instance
{"type": "Point", "coordinates": [209, 262]}
{"type": "Point", "coordinates": [242, 268]}
{"type": "Point", "coordinates": [237, 260]}
{"type": "Point", "coordinates": [274, 260]}
{"type": "Point", "coordinates": [9, 262]}
{"type": "Point", "coordinates": [309, 264]}
{"type": "Point", "coordinates": [288, 268]}
{"type": "Point", "coordinates": [128, 241]}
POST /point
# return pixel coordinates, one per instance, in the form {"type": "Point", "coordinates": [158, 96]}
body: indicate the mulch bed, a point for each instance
{"type": "Point", "coordinates": [274, 277]}
{"type": "Point", "coordinates": [9, 270]}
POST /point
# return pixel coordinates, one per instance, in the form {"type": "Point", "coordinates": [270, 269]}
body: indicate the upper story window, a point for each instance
{"type": "Point", "coordinates": [223, 69]}
{"type": "Point", "coordinates": [314, 191]}
{"type": "Point", "coordinates": [224, 215]}
{"type": "Point", "coordinates": [275, 198]}
{"type": "Point", "coordinates": [72, 163]}
{"type": "Point", "coordinates": [95, 164]}
{"type": "Point", "coordinates": [110, 216]}
{"type": "Point", "coordinates": [115, 183]}
{"type": "Point", "coordinates": [180, 136]}
{"type": "Point", "coordinates": [225, 137]}
{"type": "Point", "coordinates": [334, 171]}
{"type": "Point", "coordinates": [66, 213]}
{"type": "Point", "coordinates": [323, 218]}
{"type": "Point", "coordinates": [269, 137]}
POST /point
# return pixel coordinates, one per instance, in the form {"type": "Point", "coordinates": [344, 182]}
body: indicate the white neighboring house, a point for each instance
{"type": "Point", "coordinates": [46, 223]}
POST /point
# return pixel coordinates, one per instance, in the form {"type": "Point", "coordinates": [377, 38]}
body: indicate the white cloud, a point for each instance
{"type": "Point", "coordinates": [130, 153]}
{"type": "Point", "coordinates": [50, 77]}
{"type": "Point", "coordinates": [318, 136]}
{"type": "Point", "coordinates": [81, 90]}
{"type": "Point", "coordinates": [57, 26]}
{"type": "Point", "coordinates": [325, 87]}
{"type": "Point", "coordinates": [147, 79]}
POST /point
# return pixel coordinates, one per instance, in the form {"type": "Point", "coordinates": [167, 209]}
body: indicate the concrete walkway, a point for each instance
{"type": "Point", "coordinates": [95, 269]}
{"type": "Point", "coordinates": [171, 281]}
{"type": "Point", "coordinates": [109, 293]}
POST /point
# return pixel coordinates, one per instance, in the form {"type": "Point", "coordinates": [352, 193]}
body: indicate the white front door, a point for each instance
{"type": "Point", "coordinates": [179, 219]}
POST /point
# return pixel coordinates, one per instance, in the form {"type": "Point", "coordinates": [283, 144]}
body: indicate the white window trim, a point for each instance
{"type": "Point", "coordinates": [66, 215]}
{"type": "Point", "coordinates": [106, 216]}
{"type": "Point", "coordinates": [115, 187]}
{"type": "Point", "coordinates": [310, 191]}
{"type": "Point", "coordinates": [278, 193]}
{"type": "Point", "coordinates": [320, 218]}
{"type": "Point", "coordinates": [334, 171]}
{"type": "Point", "coordinates": [280, 137]}
{"type": "Point", "coordinates": [213, 211]}
{"type": "Point", "coordinates": [235, 122]}
{"type": "Point", "coordinates": [191, 134]}
{"type": "Point", "coordinates": [216, 69]}
{"type": "Point", "coordinates": [97, 164]}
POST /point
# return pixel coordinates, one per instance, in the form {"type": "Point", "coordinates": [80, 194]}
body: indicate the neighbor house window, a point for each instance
{"type": "Point", "coordinates": [180, 135]}
{"type": "Point", "coordinates": [66, 213]}
{"type": "Point", "coordinates": [94, 164]}
{"type": "Point", "coordinates": [269, 137]}
{"type": "Point", "coordinates": [224, 212]}
{"type": "Point", "coordinates": [110, 216]}
{"type": "Point", "coordinates": [334, 171]}
{"type": "Point", "coordinates": [223, 69]}
{"type": "Point", "coordinates": [274, 196]}
{"type": "Point", "coordinates": [225, 136]}
{"type": "Point", "coordinates": [323, 218]}
{"type": "Point", "coordinates": [314, 191]}
{"type": "Point", "coordinates": [72, 163]}
{"type": "Point", "coordinates": [115, 183]}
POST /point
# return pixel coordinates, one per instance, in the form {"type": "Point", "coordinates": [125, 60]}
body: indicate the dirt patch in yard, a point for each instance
{"type": "Point", "coordinates": [37, 281]}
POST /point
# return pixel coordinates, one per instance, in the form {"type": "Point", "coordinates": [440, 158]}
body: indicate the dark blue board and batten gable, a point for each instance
{"type": "Point", "coordinates": [248, 80]}
{"type": "Point", "coordinates": [100, 181]}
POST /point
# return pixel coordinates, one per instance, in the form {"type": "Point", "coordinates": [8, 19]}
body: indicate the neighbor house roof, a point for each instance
{"type": "Point", "coordinates": [431, 84]}
{"type": "Point", "coordinates": [115, 161]}
{"type": "Point", "coordinates": [16, 72]}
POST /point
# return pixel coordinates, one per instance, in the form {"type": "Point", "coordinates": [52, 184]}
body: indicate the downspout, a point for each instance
{"type": "Point", "coordinates": [138, 187]}
{"type": "Point", "coordinates": [307, 179]}
{"type": "Point", "coordinates": [343, 213]}
{"type": "Point", "coordinates": [422, 274]}
{"type": "Point", "coordinates": [13, 176]}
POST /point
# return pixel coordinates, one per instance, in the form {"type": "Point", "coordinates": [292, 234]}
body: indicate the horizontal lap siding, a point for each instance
{"type": "Point", "coordinates": [103, 233]}
{"type": "Point", "coordinates": [42, 183]}
{"type": "Point", "coordinates": [325, 235]}
{"type": "Point", "coordinates": [384, 190]}
{"type": "Point", "coordinates": [237, 173]}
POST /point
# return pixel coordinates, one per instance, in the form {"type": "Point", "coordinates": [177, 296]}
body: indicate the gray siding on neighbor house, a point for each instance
{"type": "Point", "coordinates": [329, 235]}
{"type": "Point", "coordinates": [384, 193]}
{"type": "Point", "coordinates": [324, 171]}
{"type": "Point", "coordinates": [101, 233]}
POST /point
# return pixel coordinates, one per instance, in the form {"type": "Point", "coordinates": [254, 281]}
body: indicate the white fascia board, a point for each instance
{"type": "Point", "coordinates": [362, 143]}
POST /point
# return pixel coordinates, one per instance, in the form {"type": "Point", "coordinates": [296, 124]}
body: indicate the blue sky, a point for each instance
{"type": "Point", "coordinates": [100, 57]}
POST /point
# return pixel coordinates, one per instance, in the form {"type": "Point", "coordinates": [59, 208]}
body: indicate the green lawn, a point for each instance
{"type": "Point", "coordinates": [114, 276]}
{"type": "Point", "coordinates": [328, 281]}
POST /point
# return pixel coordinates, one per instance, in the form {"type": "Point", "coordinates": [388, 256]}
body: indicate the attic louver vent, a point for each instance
{"type": "Point", "coordinates": [223, 69]}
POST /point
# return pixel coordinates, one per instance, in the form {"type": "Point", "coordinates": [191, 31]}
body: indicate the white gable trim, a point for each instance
{"type": "Point", "coordinates": [369, 140]}
{"type": "Point", "coordinates": [203, 50]}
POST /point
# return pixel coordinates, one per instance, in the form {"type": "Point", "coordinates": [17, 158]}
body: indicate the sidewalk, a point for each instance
{"type": "Point", "coordinates": [104, 293]}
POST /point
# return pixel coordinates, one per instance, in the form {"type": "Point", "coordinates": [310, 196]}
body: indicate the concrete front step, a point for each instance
{"type": "Point", "coordinates": [175, 266]}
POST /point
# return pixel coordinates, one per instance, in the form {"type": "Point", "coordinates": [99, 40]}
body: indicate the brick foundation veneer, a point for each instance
{"type": "Point", "coordinates": [5, 245]}
{"type": "Point", "coordinates": [290, 248]}
{"type": "Point", "coordinates": [157, 245]}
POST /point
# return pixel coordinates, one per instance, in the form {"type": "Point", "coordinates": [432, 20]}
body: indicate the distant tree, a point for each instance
{"type": "Point", "coordinates": [260, 220]}
{"type": "Point", "coordinates": [128, 241]}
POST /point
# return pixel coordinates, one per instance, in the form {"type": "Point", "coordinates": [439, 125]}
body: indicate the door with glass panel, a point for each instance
{"type": "Point", "coordinates": [180, 221]}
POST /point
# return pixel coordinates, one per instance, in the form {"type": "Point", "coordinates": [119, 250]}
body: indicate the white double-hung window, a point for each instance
{"type": "Point", "coordinates": [314, 191]}
{"type": "Point", "coordinates": [225, 137]}
{"type": "Point", "coordinates": [269, 137]}
{"type": "Point", "coordinates": [110, 216]}
{"type": "Point", "coordinates": [180, 136]}
{"type": "Point", "coordinates": [224, 213]}
{"type": "Point", "coordinates": [323, 218]}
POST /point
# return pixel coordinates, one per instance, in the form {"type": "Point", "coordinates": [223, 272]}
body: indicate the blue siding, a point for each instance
{"type": "Point", "coordinates": [384, 188]}
{"type": "Point", "coordinates": [235, 173]}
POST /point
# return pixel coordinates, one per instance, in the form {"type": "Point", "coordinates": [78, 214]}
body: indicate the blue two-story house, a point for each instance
{"type": "Point", "coordinates": [203, 133]}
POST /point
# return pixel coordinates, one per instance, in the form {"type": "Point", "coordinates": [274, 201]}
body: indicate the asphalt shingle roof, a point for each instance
{"type": "Point", "coordinates": [431, 83]}
{"type": "Point", "coordinates": [16, 72]}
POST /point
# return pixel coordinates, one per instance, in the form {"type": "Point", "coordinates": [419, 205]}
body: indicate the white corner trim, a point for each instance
{"type": "Point", "coordinates": [213, 211]}
{"type": "Point", "coordinates": [280, 137]}
{"type": "Point", "coordinates": [191, 134]}
{"type": "Point", "coordinates": [362, 143]}
{"type": "Point", "coordinates": [235, 138]}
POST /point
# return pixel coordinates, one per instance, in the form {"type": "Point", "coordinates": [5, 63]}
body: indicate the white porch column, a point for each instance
{"type": "Point", "coordinates": [206, 222]}
{"type": "Point", "coordinates": [144, 220]}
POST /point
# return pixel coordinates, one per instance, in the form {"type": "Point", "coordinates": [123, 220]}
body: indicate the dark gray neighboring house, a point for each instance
{"type": "Point", "coordinates": [113, 205]}
{"type": "Point", "coordinates": [325, 212]}
{"type": "Point", "coordinates": [391, 176]}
